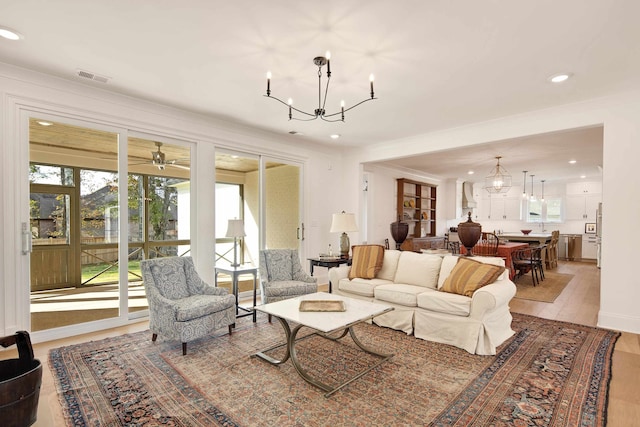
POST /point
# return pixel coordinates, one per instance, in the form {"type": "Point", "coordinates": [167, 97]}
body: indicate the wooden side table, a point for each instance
{"type": "Point", "coordinates": [328, 263]}
{"type": "Point", "coordinates": [235, 273]}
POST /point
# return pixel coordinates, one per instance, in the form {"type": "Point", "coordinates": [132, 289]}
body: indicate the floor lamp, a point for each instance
{"type": "Point", "coordinates": [235, 229]}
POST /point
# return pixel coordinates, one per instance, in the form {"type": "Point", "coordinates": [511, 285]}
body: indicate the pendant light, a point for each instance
{"type": "Point", "coordinates": [524, 185]}
{"type": "Point", "coordinates": [533, 198]}
{"type": "Point", "coordinates": [542, 198]}
{"type": "Point", "coordinates": [498, 180]}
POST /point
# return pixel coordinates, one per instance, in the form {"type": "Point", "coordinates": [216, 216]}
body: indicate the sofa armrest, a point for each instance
{"type": "Point", "coordinates": [490, 297]}
{"type": "Point", "coordinates": [338, 273]}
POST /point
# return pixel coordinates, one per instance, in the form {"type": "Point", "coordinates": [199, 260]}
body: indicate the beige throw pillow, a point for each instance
{"type": "Point", "coordinates": [366, 261]}
{"type": "Point", "coordinates": [469, 275]}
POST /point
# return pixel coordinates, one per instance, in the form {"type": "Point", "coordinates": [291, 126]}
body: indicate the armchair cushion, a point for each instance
{"type": "Point", "coordinates": [367, 261]}
{"type": "Point", "coordinates": [279, 265]}
{"type": "Point", "coordinates": [290, 288]}
{"type": "Point", "coordinates": [197, 306]}
{"type": "Point", "coordinates": [469, 275]}
{"type": "Point", "coordinates": [170, 280]}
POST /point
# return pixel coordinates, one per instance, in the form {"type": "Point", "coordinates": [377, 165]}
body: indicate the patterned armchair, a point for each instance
{"type": "Point", "coordinates": [282, 276]}
{"type": "Point", "coordinates": [181, 305]}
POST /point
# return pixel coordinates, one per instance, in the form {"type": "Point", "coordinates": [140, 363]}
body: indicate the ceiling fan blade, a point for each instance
{"type": "Point", "coordinates": [179, 166]}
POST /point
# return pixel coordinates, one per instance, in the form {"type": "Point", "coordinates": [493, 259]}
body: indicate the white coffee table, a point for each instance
{"type": "Point", "coordinates": [325, 324]}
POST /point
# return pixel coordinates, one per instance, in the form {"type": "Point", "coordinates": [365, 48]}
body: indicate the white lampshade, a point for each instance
{"type": "Point", "coordinates": [343, 222]}
{"type": "Point", "coordinates": [235, 228]}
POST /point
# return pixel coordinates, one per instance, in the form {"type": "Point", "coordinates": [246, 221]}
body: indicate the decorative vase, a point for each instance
{"type": "Point", "coordinates": [399, 231]}
{"type": "Point", "coordinates": [469, 233]}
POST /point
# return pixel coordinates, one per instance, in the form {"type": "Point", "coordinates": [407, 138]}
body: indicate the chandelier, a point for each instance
{"type": "Point", "coordinates": [319, 112]}
{"type": "Point", "coordinates": [498, 180]}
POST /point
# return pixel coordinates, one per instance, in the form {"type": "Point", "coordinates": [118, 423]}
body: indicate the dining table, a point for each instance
{"type": "Point", "coordinates": [505, 251]}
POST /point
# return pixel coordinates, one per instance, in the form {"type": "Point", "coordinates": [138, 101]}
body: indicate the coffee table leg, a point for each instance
{"type": "Point", "coordinates": [287, 332]}
{"type": "Point", "coordinates": [330, 390]}
{"type": "Point", "coordinates": [365, 348]}
{"type": "Point", "coordinates": [291, 353]}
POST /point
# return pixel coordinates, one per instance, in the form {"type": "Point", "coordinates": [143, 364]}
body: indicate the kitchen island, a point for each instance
{"type": "Point", "coordinates": [539, 238]}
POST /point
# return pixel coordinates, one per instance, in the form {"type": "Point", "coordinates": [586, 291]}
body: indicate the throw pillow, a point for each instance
{"type": "Point", "coordinates": [469, 275]}
{"type": "Point", "coordinates": [366, 261]}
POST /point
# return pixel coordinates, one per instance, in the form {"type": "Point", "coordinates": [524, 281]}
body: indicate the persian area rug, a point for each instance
{"type": "Point", "coordinates": [548, 374]}
{"type": "Point", "coordinates": [546, 290]}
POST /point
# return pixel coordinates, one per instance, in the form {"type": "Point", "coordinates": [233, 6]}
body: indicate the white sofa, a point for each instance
{"type": "Point", "coordinates": [411, 283]}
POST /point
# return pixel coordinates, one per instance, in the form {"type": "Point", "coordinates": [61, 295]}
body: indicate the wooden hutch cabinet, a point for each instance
{"type": "Point", "coordinates": [416, 206]}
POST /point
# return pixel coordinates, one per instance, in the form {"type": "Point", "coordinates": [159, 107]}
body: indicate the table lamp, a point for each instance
{"type": "Point", "coordinates": [235, 229]}
{"type": "Point", "coordinates": [341, 223]}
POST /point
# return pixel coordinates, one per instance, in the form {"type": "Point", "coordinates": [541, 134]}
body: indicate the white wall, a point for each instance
{"type": "Point", "coordinates": [25, 90]}
{"type": "Point", "coordinates": [620, 116]}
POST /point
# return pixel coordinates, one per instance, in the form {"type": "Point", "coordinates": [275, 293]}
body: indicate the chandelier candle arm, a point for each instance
{"type": "Point", "coordinates": [320, 112]}
{"type": "Point", "coordinates": [268, 83]}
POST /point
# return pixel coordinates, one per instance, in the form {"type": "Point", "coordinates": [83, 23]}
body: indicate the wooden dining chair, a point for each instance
{"type": "Point", "coordinates": [487, 245]}
{"type": "Point", "coordinates": [528, 260]}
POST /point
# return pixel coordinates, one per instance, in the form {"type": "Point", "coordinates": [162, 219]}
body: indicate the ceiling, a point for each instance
{"type": "Point", "coordinates": [437, 64]}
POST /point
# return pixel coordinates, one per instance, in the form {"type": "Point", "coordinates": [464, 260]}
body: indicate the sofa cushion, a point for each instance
{"type": "Point", "coordinates": [359, 286]}
{"type": "Point", "coordinates": [418, 269]}
{"type": "Point", "coordinates": [469, 275]}
{"type": "Point", "coordinates": [366, 261]}
{"type": "Point", "coordinates": [389, 265]}
{"type": "Point", "coordinates": [448, 262]}
{"type": "Point", "coordinates": [400, 294]}
{"type": "Point", "coordinates": [443, 302]}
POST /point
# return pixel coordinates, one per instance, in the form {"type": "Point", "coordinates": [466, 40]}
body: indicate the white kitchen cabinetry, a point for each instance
{"type": "Point", "coordinates": [582, 206]}
{"type": "Point", "coordinates": [589, 247]}
{"type": "Point", "coordinates": [504, 207]}
{"type": "Point", "coordinates": [582, 200]}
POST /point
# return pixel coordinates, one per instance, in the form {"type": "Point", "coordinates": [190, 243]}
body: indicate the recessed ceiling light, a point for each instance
{"type": "Point", "coordinates": [10, 34]}
{"type": "Point", "coordinates": [335, 136]}
{"type": "Point", "coordinates": [559, 78]}
{"type": "Point", "coordinates": [583, 176]}
{"type": "Point", "coordinates": [470, 173]}
{"type": "Point", "coordinates": [43, 123]}
{"type": "Point", "coordinates": [572, 162]}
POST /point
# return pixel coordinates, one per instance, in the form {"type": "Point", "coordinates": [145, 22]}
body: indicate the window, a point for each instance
{"type": "Point", "coordinates": [548, 211]}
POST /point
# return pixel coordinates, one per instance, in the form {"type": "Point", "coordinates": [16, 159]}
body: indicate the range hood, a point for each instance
{"type": "Point", "coordinates": [467, 196]}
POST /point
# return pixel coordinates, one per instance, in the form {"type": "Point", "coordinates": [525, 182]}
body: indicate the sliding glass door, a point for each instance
{"type": "Point", "coordinates": [78, 270]}
{"type": "Point", "coordinates": [74, 264]}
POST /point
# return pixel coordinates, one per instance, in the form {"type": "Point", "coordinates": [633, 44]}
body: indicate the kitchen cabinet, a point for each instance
{"type": "Point", "coordinates": [581, 202]}
{"type": "Point", "coordinates": [502, 206]}
{"type": "Point", "coordinates": [416, 205]}
{"type": "Point", "coordinates": [589, 247]}
{"type": "Point", "coordinates": [584, 187]}
{"type": "Point", "coordinates": [582, 206]}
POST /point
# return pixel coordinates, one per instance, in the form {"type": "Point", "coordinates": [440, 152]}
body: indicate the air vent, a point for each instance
{"type": "Point", "coordinates": [92, 76]}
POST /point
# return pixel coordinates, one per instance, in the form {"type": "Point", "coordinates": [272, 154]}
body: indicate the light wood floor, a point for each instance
{"type": "Point", "coordinates": [579, 303]}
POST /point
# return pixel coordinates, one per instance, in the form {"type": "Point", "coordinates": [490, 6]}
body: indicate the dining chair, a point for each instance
{"type": "Point", "coordinates": [528, 260]}
{"type": "Point", "coordinates": [487, 245]}
{"type": "Point", "coordinates": [551, 258]}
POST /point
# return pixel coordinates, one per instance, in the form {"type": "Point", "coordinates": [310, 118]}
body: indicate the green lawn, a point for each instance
{"type": "Point", "coordinates": [111, 275]}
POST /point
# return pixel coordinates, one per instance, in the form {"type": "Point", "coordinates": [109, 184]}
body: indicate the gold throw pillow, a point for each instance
{"type": "Point", "coordinates": [366, 261]}
{"type": "Point", "coordinates": [468, 276]}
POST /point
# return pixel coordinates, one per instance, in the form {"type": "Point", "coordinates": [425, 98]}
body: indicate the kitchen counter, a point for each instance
{"type": "Point", "coordinates": [540, 238]}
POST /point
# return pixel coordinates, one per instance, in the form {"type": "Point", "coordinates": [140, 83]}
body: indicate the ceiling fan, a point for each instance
{"type": "Point", "coordinates": [158, 159]}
